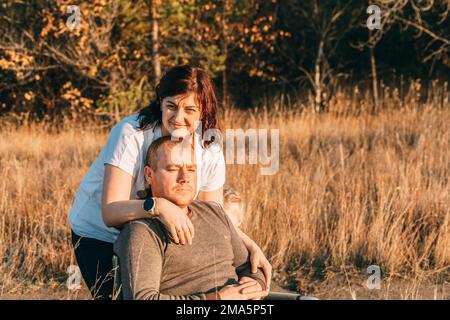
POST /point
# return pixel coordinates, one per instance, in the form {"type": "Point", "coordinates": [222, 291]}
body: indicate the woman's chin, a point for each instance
{"type": "Point", "coordinates": [180, 132]}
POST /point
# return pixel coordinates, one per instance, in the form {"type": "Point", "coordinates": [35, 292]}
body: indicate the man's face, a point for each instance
{"type": "Point", "coordinates": [175, 177]}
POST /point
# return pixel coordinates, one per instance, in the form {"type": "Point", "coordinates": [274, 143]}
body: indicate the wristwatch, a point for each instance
{"type": "Point", "coordinates": [149, 206]}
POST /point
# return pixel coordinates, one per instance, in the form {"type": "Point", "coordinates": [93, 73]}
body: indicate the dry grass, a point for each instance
{"type": "Point", "coordinates": [355, 190]}
{"type": "Point", "coordinates": [352, 190]}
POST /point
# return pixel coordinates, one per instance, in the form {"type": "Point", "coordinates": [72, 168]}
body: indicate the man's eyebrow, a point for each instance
{"type": "Point", "coordinates": [180, 165]}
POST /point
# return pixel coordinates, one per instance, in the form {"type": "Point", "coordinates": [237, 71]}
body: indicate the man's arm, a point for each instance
{"type": "Point", "coordinates": [140, 252]}
{"type": "Point", "coordinates": [242, 257]}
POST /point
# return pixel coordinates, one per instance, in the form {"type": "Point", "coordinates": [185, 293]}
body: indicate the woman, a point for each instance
{"type": "Point", "coordinates": [110, 194]}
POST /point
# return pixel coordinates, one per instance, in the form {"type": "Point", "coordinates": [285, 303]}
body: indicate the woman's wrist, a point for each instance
{"type": "Point", "coordinates": [248, 242]}
{"type": "Point", "coordinates": [159, 205]}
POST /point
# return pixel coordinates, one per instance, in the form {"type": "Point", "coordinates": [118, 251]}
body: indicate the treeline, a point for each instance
{"type": "Point", "coordinates": [107, 62]}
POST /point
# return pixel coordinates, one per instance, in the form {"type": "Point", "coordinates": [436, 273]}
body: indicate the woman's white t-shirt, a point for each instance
{"type": "Point", "coordinates": [126, 149]}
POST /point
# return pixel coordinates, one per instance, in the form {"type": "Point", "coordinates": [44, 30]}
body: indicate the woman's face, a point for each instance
{"type": "Point", "coordinates": [180, 112]}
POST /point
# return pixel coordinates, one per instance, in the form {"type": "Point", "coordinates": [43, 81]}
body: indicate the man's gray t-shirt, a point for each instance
{"type": "Point", "coordinates": [154, 267]}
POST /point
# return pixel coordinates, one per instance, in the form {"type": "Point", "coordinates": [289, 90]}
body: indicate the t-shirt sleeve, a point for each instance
{"type": "Point", "coordinates": [122, 149]}
{"type": "Point", "coordinates": [214, 173]}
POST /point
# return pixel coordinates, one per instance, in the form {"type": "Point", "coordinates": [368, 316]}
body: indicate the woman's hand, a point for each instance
{"type": "Point", "coordinates": [236, 292]}
{"type": "Point", "coordinates": [257, 287]}
{"type": "Point", "coordinates": [259, 260]}
{"type": "Point", "coordinates": [177, 223]}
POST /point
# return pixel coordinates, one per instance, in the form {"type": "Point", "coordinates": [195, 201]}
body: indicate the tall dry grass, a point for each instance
{"type": "Point", "coordinates": [353, 189]}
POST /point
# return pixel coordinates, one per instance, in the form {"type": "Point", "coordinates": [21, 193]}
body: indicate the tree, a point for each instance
{"type": "Point", "coordinates": [155, 39]}
{"type": "Point", "coordinates": [408, 14]}
{"type": "Point", "coordinates": [318, 28]}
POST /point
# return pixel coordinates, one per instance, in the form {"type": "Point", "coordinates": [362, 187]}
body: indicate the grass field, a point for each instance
{"type": "Point", "coordinates": [352, 190]}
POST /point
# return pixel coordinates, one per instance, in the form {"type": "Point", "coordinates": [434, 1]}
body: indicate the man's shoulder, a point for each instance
{"type": "Point", "coordinates": [204, 204]}
{"type": "Point", "coordinates": [209, 208]}
{"type": "Point", "coordinates": [152, 226]}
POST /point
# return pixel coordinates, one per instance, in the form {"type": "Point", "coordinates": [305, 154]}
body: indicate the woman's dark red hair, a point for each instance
{"type": "Point", "coordinates": [178, 80]}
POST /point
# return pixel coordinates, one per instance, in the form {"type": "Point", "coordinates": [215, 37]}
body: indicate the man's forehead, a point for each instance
{"type": "Point", "coordinates": [177, 154]}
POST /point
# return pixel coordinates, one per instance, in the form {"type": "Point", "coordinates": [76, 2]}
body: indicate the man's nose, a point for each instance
{"type": "Point", "coordinates": [183, 176]}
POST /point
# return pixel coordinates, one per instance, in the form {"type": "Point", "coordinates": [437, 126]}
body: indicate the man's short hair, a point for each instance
{"type": "Point", "coordinates": [152, 152]}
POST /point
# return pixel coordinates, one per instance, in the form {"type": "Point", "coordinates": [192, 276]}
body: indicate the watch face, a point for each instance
{"type": "Point", "coordinates": [148, 204]}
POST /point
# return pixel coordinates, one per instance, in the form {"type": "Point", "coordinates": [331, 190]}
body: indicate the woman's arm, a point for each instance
{"type": "Point", "coordinates": [257, 257]}
{"type": "Point", "coordinates": [216, 196]}
{"type": "Point", "coordinates": [118, 209]}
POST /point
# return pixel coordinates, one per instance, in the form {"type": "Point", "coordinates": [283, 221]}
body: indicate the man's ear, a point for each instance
{"type": "Point", "coordinates": [148, 174]}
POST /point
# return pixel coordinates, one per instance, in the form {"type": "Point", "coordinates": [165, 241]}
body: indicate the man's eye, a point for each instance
{"type": "Point", "coordinates": [192, 170]}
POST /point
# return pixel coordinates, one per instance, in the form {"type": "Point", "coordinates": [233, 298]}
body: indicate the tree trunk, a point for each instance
{"type": "Point", "coordinates": [224, 87]}
{"type": "Point", "coordinates": [224, 23]}
{"type": "Point", "coordinates": [318, 81]}
{"type": "Point", "coordinates": [374, 81]}
{"type": "Point", "coordinates": [155, 40]}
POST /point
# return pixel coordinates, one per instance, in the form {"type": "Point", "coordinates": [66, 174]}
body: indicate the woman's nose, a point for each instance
{"type": "Point", "coordinates": [179, 116]}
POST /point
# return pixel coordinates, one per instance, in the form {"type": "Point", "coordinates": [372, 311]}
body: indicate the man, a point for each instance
{"type": "Point", "coordinates": [215, 266]}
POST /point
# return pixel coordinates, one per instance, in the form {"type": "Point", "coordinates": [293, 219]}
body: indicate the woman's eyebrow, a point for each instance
{"type": "Point", "coordinates": [174, 104]}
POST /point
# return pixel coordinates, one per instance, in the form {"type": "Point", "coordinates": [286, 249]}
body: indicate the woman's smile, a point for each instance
{"type": "Point", "coordinates": [177, 126]}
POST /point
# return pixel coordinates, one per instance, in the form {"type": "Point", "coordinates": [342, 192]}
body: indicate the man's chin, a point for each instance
{"type": "Point", "coordinates": [181, 201]}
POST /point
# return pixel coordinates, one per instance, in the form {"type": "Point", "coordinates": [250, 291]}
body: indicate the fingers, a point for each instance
{"type": "Point", "coordinates": [254, 260]}
{"type": "Point", "coordinates": [251, 289]}
{"type": "Point", "coordinates": [180, 234]}
{"type": "Point", "coordinates": [267, 269]}
{"type": "Point", "coordinates": [245, 279]}
{"type": "Point", "coordinates": [187, 234]}
{"type": "Point", "coordinates": [246, 284]}
{"type": "Point", "coordinates": [265, 265]}
{"type": "Point", "coordinates": [191, 227]}
{"type": "Point", "coordinates": [173, 234]}
{"type": "Point", "coordinates": [186, 227]}
{"type": "Point", "coordinates": [255, 295]}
